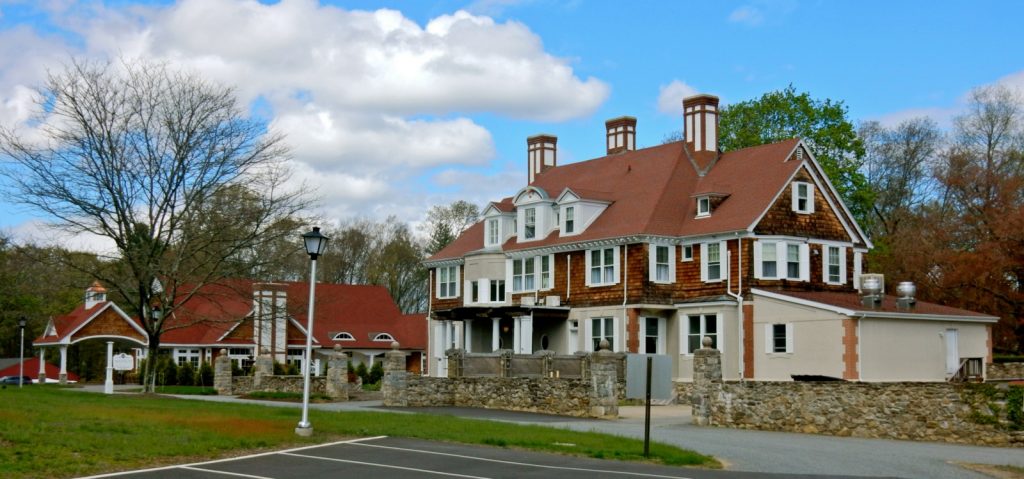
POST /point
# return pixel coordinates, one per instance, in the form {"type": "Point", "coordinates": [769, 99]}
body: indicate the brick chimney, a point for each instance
{"type": "Point", "coordinates": [701, 117]}
{"type": "Point", "coordinates": [541, 154]}
{"type": "Point", "coordinates": [620, 134]}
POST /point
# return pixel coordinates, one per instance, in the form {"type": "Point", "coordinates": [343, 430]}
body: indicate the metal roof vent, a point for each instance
{"type": "Point", "coordinates": [871, 288]}
{"type": "Point", "coordinates": [905, 292]}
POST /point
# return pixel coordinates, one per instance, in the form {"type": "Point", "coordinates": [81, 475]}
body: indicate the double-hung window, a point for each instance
{"type": "Point", "coordinates": [530, 223]}
{"type": "Point", "coordinates": [545, 272]}
{"type": "Point", "coordinates": [780, 259]}
{"type": "Point", "coordinates": [662, 263]}
{"type": "Point", "coordinates": [834, 264]}
{"type": "Point", "coordinates": [711, 261]}
{"type": "Point", "coordinates": [653, 330]}
{"type": "Point", "coordinates": [570, 220]}
{"type": "Point", "coordinates": [778, 338]}
{"type": "Point", "coordinates": [792, 261]}
{"type": "Point", "coordinates": [602, 266]}
{"type": "Point", "coordinates": [447, 281]}
{"type": "Point", "coordinates": [769, 259]}
{"type": "Point", "coordinates": [492, 232]}
{"type": "Point", "coordinates": [497, 291]}
{"type": "Point", "coordinates": [699, 326]}
{"type": "Point", "coordinates": [803, 197]}
{"type": "Point", "coordinates": [602, 328]}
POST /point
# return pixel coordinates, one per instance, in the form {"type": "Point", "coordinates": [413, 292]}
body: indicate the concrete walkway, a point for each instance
{"type": "Point", "coordinates": [740, 450]}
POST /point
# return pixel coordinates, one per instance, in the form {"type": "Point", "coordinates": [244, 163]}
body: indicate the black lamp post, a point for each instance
{"type": "Point", "coordinates": [315, 243]}
{"type": "Point", "coordinates": [21, 352]}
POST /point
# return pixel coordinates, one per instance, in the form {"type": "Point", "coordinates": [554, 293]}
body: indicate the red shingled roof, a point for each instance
{"type": "Point", "coordinates": [31, 369]}
{"type": "Point", "coordinates": [68, 323]}
{"type": "Point", "coordinates": [651, 191]}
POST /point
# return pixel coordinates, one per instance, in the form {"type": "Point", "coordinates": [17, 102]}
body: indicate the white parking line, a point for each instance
{"type": "Point", "coordinates": [226, 473]}
{"type": "Point", "coordinates": [388, 466]}
{"type": "Point", "coordinates": [230, 459]}
{"type": "Point", "coordinates": [603, 471]}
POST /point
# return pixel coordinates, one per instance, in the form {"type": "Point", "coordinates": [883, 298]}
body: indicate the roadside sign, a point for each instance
{"type": "Point", "coordinates": [123, 362]}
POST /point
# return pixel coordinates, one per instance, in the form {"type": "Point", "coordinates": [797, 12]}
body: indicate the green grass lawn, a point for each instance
{"type": "Point", "coordinates": [52, 432]}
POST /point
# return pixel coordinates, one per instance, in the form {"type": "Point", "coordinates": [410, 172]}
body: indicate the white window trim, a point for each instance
{"type": "Point", "coordinates": [538, 269]}
{"type": "Point", "coordinates": [437, 283]}
{"type": "Point", "coordinates": [526, 223]}
{"type": "Point", "coordinates": [617, 337]}
{"type": "Point", "coordinates": [615, 266]}
{"type": "Point", "coordinates": [383, 337]}
{"type": "Point", "coordinates": [652, 263]}
{"type": "Point", "coordinates": [575, 220]}
{"type": "Point", "coordinates": [703, 206]}
{"type": "Point", "coordinates": [825, 265]}
{"type": "Point", "coordinates": [684, 256]}
{"type": "Point", "coordinates": [769, 339]}
{"type": "Point", "coordinates": [684, 332]}
{"type": "Point", "coordinates": [782, 258]}
{"type": "Point", "coordinates": [487, 232]}
{"type": "Point", "coordinates": [723, 269]}
{"type": "Point", "coordinates": [810, 197]}
{"type": "Point", "coordinates": [344, 336]}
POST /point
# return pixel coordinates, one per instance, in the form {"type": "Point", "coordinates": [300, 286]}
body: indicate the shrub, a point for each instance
{"type": "Point", "coordinates": [186, 374]}
{"type": "Point", "coordinates": [363, 374]}
{"type": "Point", "coordinates": [205, 376]}
{"type": "Point", "coordinates": [1014, 405]}
{"type": "Point", "coordinates": [168, 372]}
{"type": "Point", "coordinates": [292, 369]}
{"type": "Point", "coordinates": [236, 370]}
{"type": "Point", "coordinates": [376, 372]}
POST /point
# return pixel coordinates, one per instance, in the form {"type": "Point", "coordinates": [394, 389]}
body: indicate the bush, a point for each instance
{"type": "Point", "coordinates": [376, 372]}
{"type": "Point", "coordinates": [292, 369]}
{"type": "Point", "coordinates": [236, 370]}
{"type": "Point", "coordinates": [1014, 405]}
{"type": "Point", "coordinates": [205, 376]}
{"type": "Point", "coordinates": [363, 373]}
{"type": "Point", "coordinates": [279, 369]}
{"type": "Point", "coordinates": [186, 374]}
{"type": "Point", "coordinates": [167, 372]}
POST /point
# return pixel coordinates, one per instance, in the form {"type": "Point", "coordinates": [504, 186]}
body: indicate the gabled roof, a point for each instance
{"type": "Point", "coordinates": [59, 329]}
{"type": "Point", "coordinates": [650, 192]}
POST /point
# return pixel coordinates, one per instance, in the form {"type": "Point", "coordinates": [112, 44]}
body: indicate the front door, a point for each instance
{"type": "Point", "coordinates": [952, 352]}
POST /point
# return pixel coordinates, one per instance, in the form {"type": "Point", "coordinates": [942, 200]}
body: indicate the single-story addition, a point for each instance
{"type": "Point", "coordinates": [246, 318]}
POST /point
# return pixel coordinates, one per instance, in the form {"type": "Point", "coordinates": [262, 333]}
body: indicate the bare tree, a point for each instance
{"type": "Point", "coordinates": [898, 165]}
{"type": "Point", "coordinates": [445, 223]}
{"type": "Point", "coordinates": [150, 157]}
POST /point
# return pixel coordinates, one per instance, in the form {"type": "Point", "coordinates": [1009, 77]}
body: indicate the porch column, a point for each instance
{"type": "Point", "coordinates": [108, 385]}
{"type": "Point", "coordinates": [468, 335]}
{"type": "Point", "coordinates": [495, 334]}
{"type": "Point", "coordinates": [63, 364]}
{"type": "Point", "coordinates": [42, 365]}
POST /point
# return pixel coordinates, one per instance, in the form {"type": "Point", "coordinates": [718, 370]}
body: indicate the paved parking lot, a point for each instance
{"type": "Point", "coordinates": [387, 457]}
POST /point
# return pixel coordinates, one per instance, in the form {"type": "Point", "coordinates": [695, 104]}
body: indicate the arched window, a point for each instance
{"type": "Point", "coordinates": [383, 337]}
{"type": "Point", "coordinates": [344, 337]}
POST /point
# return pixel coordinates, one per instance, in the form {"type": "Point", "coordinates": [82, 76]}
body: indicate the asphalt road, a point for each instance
{"type": "Point", "coordinates": [387, 458]}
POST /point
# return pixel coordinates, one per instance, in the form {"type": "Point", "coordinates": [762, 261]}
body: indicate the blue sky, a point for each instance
{"type": "Point", "coordinates": [394, 106]}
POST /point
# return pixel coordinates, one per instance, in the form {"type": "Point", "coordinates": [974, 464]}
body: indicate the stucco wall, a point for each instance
{"type": "Point", "coordinates": [914, 350]}
{"type": "Point", "coordinates": [817, 341]}
{"type": "Point", "coordinates": [728, 341]}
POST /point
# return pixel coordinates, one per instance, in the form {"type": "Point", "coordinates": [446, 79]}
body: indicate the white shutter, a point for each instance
{"type": "Point", "coordinates": [704, 262]}
{"type": "Point", "coordinates": [856, 269]}
{"type": "Point", "coordinates": [671, 266]}
{"type": "Point", "coordinates": [588, 334]}
{"type": "Point", "coordinates": [842, 265]}
{"type": "Point", "coordinates": [458, 269]}
{"type": "Point", "coordinates": [781, 257]}
{"type": "Point", "coordinates": [824, 264]}
{"type": "Point", "coordinates": [724, 270]}
{"type": "Point", "coordinates": [810, 197]}
{"type": "Point", "coordinates": [437, 282]}
{"type": "Point", "coordinates": [805, 262]}
{"type": "Point", "coordinates": [469, 297]}
{"type": "Point", "coordinates": [662, 336]}
{"type": "Point", "coordinates": [586, 267]}
{"type": "Point", "coordinates": [789, 337]}
{"type": "Point", "coordinates": [617, 270]}
{"type": "Point", "coordinates": [794, 196]}
{"type": "Point", "coordinates": [652, 262]}
{"type": "Point", "coordinates": [769, 339]}
{"type": "Point", "coordinates": [617, 342]}
{"type": "Point", "coordinates": [758, 270]}
{"type": "Point", "coordinates": [684, 343]}
{"type": "Point", "coordinates": [508, 280]}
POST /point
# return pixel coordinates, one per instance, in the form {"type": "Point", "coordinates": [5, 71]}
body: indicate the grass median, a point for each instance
{"type": "Point", "coordinates": [49, 432]}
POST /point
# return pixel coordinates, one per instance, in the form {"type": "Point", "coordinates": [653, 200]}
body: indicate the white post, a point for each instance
{"type": "Point", "coordinates": [305, 428]}
{"type": "Point", "coordinates": [21, 357]}
{"type": "Point", "coordinates": [63, 364]}
{"type": "Point", "coordinates": [108, 385]}
{"type": "Point", "coordinates": [495, 334]}
{"type": "Point", "coordinates": [42, 362]}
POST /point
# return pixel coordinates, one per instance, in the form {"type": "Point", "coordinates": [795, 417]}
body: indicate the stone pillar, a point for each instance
{"type": "Point", "coordinates": [604, 394]}
{"type": "Point", "coordinates": [455, 356]}
{"type": "Point", "coordinates": [63, 364]}
{"type": "Point", "coordinates": [108, 385]}
{"type": "Point", "coordinates": [707, 380]}
{"type": "Point", "coordinates": [546, 368]}
{"type": "Point", "coordinates": [505, 363]}
{"type": "Point", "coordinates": [264, 366]}
{"type": "Point", "coordinates": [337, 374]}
{"type": "Point", "coordinates": [222, 380]}
{"type": "Point", "coordinates": [42, 365]}
{"type": "Point", "coordinates": [396, 377]}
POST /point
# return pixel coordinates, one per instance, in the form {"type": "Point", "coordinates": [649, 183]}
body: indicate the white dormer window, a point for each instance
{"type": "Point", "coordinates": [344, 337]}
{"type": "Point", "coordinates": [803, 197]}
{"type": "Point", "coordinates": [530, 223]}
{"type": "Point", "coordinates": [703, 206]}
{"type": "Point", "coordinates": [383, 337]}
{"type": "Point", "coordinates": [570, 220]}
{"type": "Point", "coordinates": [493, 232]}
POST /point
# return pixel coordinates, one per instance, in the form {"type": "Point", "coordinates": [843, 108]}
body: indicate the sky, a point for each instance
{"type": "Point", "coordinates": [392, 107]}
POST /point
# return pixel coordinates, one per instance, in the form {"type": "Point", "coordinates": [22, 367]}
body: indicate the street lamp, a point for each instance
{"type": "Point", "coordinates": [21, 352]}
{"type": "Point", "coordinates": [316, 243]}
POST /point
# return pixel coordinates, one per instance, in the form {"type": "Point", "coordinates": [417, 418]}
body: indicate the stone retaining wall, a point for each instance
{"type": "Point", "coordinates": [335, 384]}
{"type": "Point", "coordinates": [1005, 371]}
{"type": "Point", "coordinates": [567, 397]}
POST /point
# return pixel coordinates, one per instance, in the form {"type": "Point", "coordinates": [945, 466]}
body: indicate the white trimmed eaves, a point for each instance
{"type": "Point", "coordinates": [440, 263]}
{"type": "Point", "coordinates": [705, 304]}
{"type": "Point", "coordinates": [230, 330]}
{"type": "Point", "coordinates": [926, 317]}
{"type": "Point", "coordinates": [803, 302]}
{"type": "Point", "coordinates": [835, 193]}
{"type": "Point", "coordinates": [297, 325]}
{"type": "Point", "coordinates": [110, 304]}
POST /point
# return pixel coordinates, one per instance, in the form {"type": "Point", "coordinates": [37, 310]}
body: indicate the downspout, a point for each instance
{"type": "Point", "coordinates": [738, 296]}
{"type": "Point", "coordinates": [568, 275]}
{"type": "Point", "coordinates": [625, 289]}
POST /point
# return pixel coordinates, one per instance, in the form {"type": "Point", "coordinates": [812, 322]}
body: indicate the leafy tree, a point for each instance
{"type": "Point", "coordinates": [445, 223]}
{"type": "Point", "coordinates": [781, 115]}
{"type": "Point", "coordinates": [143, 155]}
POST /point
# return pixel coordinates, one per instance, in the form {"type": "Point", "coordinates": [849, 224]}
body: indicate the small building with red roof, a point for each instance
{"type": "Point", "coordinates": [654, 249]}
{"type": "Point", "coordinates": [246, 318]}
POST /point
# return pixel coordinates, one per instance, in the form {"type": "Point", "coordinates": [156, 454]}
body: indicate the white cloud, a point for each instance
{"type": "Point", "coordinates": [944, 115]}
{"type": "Point", "coordinates": [670, 97]}
{"type": "Point", "coordinates": [41, 233]}
{"type": "Point", "coordinates": [372, 103]}
{"type": "Point", "coordinates": [747, 15]}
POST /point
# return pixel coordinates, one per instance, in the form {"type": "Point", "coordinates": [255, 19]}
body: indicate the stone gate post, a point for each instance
{"type": "Point", "coordinates": [264, 366]}
{"type": "Point", "coordinates": [393, 386]}
{"type": "Point", "coordinates": [604, 386]}
{"type": "Point", "coordinates": [222, 373]}
{"type": "Point", "coordinates": [707, 380]}
{"type": "Point", "coordinates": [337, 374]}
